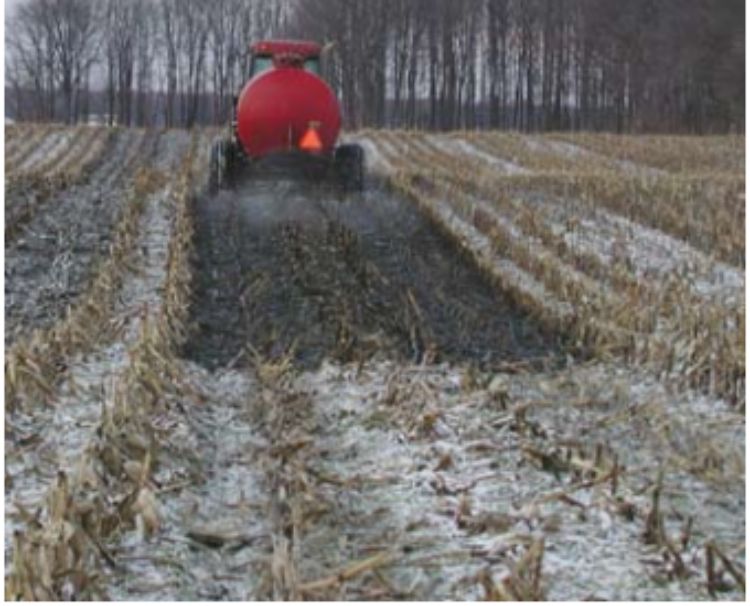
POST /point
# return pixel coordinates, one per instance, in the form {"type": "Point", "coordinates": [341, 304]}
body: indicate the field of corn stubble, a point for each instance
{"type": "Point", "coordinates": [513, 368]}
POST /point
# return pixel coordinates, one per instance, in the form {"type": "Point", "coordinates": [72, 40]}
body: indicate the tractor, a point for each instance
{"type": "Point", "coordinates": [286, 122]}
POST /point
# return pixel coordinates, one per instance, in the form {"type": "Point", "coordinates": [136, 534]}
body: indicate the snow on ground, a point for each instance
{"type": "Point", "coordinates": [439, 477]}
{"type": "Point", "coordinates": [24, 144]}
{"type": "Point", "coordinates": [654, 253]}
{"type": "Point", "coordinates": [437, 480]}
{"type": "Point", "coordinates": [570, 150]}
{"type": "Point", "coordinates": [651, 253]}
{"type": "Point", "coordinates": [52, 146]}
{"type": "Point", "coordinates": [393, 148]}
{"type": "Point", "coordinates": [513, 277]}
{"type": "Point", "coordinates": [535, 245]}
{"type": "Point", "coordinates": [214, 494]}
{"type": "Point", "coordinates": [374, 160]}
{"type": "Point", "coordinates": [464, 147]}
{"type": "Point", "coordinates": [59, 434]}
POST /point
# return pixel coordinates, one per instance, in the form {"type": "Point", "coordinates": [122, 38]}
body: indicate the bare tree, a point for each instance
{"type": "Point", "coordinates": [73, 26]}
{"type": "Point", "coordinates": [28, 54]}
{"type": "Point", "coordinates": [674, 65]}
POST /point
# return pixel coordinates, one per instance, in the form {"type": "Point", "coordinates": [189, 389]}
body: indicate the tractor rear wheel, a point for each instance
{"type": "Point", "coordinates": [350, 165]}
{"type": "Point", "coordinates": [218, 166]}
{"type": "Point", "coordinates": [223, 165]}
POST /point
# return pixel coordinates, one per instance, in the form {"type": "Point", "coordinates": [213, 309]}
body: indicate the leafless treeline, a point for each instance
{"type": "Point", "coordinates": [632, 65]}
{"type": "Point", "coordinates": [133, 62]}
{"type": "Point", "coordinates": [640, 65]}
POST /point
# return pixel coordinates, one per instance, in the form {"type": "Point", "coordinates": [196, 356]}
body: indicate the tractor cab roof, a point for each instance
{"type": "Point", "coordinates": [304, 48]}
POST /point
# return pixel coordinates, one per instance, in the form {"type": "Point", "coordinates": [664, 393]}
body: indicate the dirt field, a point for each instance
{"type": "Point", "coordinates": [512, 368]}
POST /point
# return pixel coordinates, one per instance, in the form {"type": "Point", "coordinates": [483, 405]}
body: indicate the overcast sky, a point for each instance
{"type": "Point", "coordinates": [10, 5]}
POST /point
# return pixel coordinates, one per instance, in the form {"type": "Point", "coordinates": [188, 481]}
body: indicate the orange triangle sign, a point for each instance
{"type": "Point", "coordinates": [311, 141]}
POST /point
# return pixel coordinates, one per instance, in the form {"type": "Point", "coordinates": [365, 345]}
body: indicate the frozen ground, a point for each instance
{"type": "Point", "coordinates": [54, 256]}
{"type": "Point", "coordinates": [368, 403]}
{"type": "Point", "coordinates": [436, 481]}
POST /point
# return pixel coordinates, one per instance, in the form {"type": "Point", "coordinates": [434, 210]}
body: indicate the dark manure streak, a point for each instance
{"type": "Point", "coordinates": [281, 269]}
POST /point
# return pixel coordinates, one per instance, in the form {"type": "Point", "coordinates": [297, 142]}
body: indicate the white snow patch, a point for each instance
{"type": "Point", "coordinates": [471, 150]}
{"type": "Point", "coordinates": [390, 493]}
{"type": "Point", "coordinates": [397, 146]}
{"type": "Point", "coordinates": [570, 150]}
{"type": "Point", "coordinates": [651, 253]}
{"type": "Point", "coordinates": [216, 444]}
{"type": "Point", "coordinates": [535, 246]}
{"type": "Point", "coordinates": [375, 160]}
{"type": "Point", "coordinates": [52, 146]}
{"type": "Point", "coordinates": [511, 275]}
{"type": "Point", "coordinates": [654, 254]}
{"type": "Point", "coordinates": [66, 429]}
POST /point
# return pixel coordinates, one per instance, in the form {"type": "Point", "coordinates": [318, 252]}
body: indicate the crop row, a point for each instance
{"type": "Point", "coordinates": [704, 209]}
{"type": "Point", "coordinates": [27, 191]}
{"type": "Point", "coordinates": [676, 154]}
{"type": "Point", "coordinates": [58, 555]}
{"type": "Point", "coordinates": [26, 143]}
{"type": "Point", "coordinates": [611, 309]}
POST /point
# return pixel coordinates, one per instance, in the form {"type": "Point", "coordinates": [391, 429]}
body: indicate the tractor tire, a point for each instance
{"type": "Point", "coordinates": [350, 166]}
{"type": "Point", "coordinates": [218, 167]}
{"type": "Point", "coordinates": [224, 163]}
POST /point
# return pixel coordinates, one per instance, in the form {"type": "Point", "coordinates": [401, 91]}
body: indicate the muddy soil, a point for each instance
{"type": "Point", "coordinates": [281, 269]}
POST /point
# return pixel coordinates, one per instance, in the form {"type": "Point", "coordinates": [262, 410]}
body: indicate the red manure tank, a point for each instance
{"type": "Point", "coordinates": [277, 108]}
{"type": "Point", "coordinates": [287, 115]}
